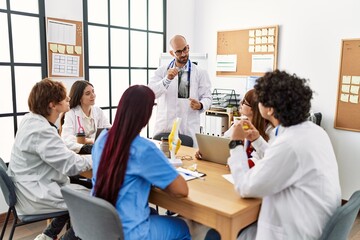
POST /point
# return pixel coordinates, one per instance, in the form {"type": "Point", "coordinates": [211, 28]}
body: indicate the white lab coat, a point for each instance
{"type": "Point", "coordinates": [39, 165]}
{"type": "Point", "coordinates": [170, 106]}
{"type": "Point", "coordinates": [71, 126]}
{"type": "Point", "coordinates": [297, 179]}
{"type": "Point", "coordinates": [258, 154]}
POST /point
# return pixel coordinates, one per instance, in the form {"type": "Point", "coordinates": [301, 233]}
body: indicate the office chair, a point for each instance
{"type": "Point", "coordinates": [340, 224]}
{"type": "Point", "coordinates": [92, 218]}
{"type": "Point", "coordinates": [8, 190]}
{"type": "Point", "coordinates": [185, 139]}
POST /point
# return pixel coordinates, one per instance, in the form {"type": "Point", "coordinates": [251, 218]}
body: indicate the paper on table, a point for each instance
{"type": "Point", "coordinates": [176, 162]}
{"type": "Point", "coordinates": [229, 178]}
{"type": "Point", "coordinates": [189, 175]}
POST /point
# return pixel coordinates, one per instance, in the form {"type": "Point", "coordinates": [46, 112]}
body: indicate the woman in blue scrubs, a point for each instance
{"type": "Point", "coordinates": [126, 165]}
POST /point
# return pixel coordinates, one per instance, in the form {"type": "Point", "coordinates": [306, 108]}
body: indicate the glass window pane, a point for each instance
{"type": "Point", "coordinates": [100, 79]}
{"type": "Point", "coordinates": [7, 137]}
{"type": "Point", "coordinates": [4, 39]}
{"type": "Point", "coordinates": [3, 4]}
{"type": "Point", "coordinates": [97, 11]}
{"type": "Point", "coordinates": [138, 49]}
{"type": "Point", "coordinates": [119, 83]}
{"type": "Point", "coordinates": [138, 14]}
{"type": "Point", "coordinates": [30, 6]}
{"type": "Point", "coordinates": [119, 12]}
{"type": "Point", "coordinates": [156, 15]}
{"type": "Point", "coordinates": [26, 39]}
{"type": "Point", "coordinates": [113, 111]}
{"type": "Point", "coordinates": [107, 113]}
{"type": "Point", "coordinates": [138, 77]}
{"type": "Point", "coordinates": [5, 90]}
{"type": "Point", "coordinates": [156, 43]}
{"type": "Point", "coordinates": [25, 78]}
{"type": "Point", "coordinates": [119, 47]}
{"type": "Point", "coordinates": [98, 46]}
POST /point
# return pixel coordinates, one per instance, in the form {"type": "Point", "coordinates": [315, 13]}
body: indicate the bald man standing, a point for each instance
{"type": "Point", "coordinates": [182, 90]}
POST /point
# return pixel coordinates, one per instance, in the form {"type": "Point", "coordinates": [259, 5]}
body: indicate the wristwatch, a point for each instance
{"type": "Point", "coordinates": [234, 143]}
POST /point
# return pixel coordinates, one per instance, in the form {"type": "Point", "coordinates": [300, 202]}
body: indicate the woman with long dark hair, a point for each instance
{"type": "Point", "coordinates": [83, 117]}
{"type": "Point", "coordinates": [125, 166]}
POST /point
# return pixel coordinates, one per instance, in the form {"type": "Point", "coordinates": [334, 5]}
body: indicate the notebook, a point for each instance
{"type": "Point", "coordinates": [213, 149]}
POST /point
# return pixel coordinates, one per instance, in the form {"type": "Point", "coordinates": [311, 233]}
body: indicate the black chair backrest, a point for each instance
{"type": "Point", "coordinates": [185, 139]}
{"type": "Point", "coordinates": [8, 188]}
{"type": "Point", "coordinates": [340, 224]}
{"type": "Point", "coordinates": [92, 218]}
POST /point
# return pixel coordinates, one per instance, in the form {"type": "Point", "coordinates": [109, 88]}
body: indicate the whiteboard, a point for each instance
{"type": "Point", "coordinates": [201, 59]}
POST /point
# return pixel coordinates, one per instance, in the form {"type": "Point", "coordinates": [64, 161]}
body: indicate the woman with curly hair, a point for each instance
{"type": "Point", "coordinates": [297, 178]}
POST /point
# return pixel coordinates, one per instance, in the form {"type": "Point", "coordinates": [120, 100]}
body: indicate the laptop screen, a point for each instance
{"type": "Point", "coordinates": [214, 149]}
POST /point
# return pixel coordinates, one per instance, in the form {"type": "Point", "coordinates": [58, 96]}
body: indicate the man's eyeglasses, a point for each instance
{"type": "Point", "coordinates": [180, 52]}
{"type": "Point", "coordinates": [244, 102]}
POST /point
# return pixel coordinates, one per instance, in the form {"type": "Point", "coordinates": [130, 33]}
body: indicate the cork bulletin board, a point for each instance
{"type": "Point", "coordinates": [255, 50]}
{"type": "Point", "coordinates": [64, 48]}
{"type": "Point", "coordinates": [348, 102]}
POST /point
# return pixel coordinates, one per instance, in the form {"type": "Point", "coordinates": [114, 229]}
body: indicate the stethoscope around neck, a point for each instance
{"type": "Point", "coordinates": [172, 63]}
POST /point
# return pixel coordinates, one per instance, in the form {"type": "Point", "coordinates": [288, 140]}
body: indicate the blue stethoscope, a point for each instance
{"type": "Point", "coordinates": [277, 130]}
{"type": "Point", "coordinates": [172, 63]}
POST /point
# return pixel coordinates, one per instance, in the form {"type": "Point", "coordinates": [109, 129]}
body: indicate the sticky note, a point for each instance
{"type": "Point", "coordinates": [251, 33]}
{"type": "Point", "coordinates": [53, 47]}
{"type": "Point", "coordinates": [78, 49]}
{"type": "Point", "coordinates": [271, 48]}
{"type": "Point", "coordinates": [355, 79]}
{"type": "Point", "coordinates": [258, 40]}
{"type": "Point", "coordinates": [258, 48]}
{"type": "Point", "coordinates": [271, 39]}
{"type": "Point", "coordinates": [258, 32]}
{"type": "Point", "coordinates": [70, 49]}
{"type": "Point", "coordinates": [61, 48]}
{"type": "Point", "coordinates": [354, 89]}
{"type": "Point", "coordinates": [271, 31]}
{"type": "Point", "coordinates": [251, 40]}
{"type": "Point", "coordinates": [264, 48]}
{"type": "Point", "coordinates": [354, 98]}
{"type": "Point", "coordinates": [344, 97]}
{"type": "Point", "coordinates": [251, 48]}
{"type": "Point", "coordinates": [345, 88]}
{"type": "Point", "coordinates": [264, 32]}
{"type": "Point", "coordinates": [346, 79]}
{"type": "Point", "coordinates": [264, 40]}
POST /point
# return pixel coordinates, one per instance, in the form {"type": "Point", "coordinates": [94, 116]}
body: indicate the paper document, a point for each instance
{"type": "Point", "coordinates": [262, 63]}
{"type": "Point", "coordinates": [61, 32]}
{"type": "Point", "coordinates": [189, 175]}
{"type": "Point", "coordinates": [229, 177]}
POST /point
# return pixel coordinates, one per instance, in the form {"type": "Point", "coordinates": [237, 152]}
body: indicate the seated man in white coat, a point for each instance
{"type": "Point", "coordinates": [298, 174]}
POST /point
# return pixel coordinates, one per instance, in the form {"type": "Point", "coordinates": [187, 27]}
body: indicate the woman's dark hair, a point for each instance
{"type": "Point", "coordinates": [43, 93]}
{"type": "Point", "coordinates": [77, 91]}
{"type": "Point", "coordinates": [133, 113]}
{"type": "Point", "coordinates": [258, 121]}
{"type": "Point", "coordinates": [288, 95]}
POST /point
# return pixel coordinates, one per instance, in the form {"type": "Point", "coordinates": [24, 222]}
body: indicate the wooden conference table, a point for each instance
{"type": "Point", "coordinates": [212, 202]}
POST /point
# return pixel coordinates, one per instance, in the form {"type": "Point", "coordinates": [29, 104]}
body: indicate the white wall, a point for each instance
{"type": "Point", "coordinates": [310, 34]}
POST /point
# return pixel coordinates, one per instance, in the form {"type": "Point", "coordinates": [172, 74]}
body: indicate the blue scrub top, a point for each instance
{"type": "Point", "coordinates": [147, 166]}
